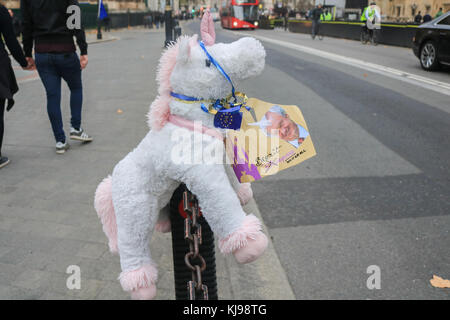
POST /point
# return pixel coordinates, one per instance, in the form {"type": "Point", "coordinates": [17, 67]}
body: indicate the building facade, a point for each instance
{"type": "Point", "coordinates": [114, 5]}
{"type": "Point", "coordinates": [391, 10]}
{"type": "Point", "coordinates": [405, 10]}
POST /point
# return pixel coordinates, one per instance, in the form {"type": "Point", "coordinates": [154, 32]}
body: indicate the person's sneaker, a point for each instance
{"type": "Point", "coordinates": [4, 162]}
{"type": "Point", "coordinates": [61, 147]}
{"type": "Point", "coordinates": [80, 135]}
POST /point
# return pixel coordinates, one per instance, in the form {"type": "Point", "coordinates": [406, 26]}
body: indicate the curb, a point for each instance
{"type": "Point", "coordinates": [102, 40]}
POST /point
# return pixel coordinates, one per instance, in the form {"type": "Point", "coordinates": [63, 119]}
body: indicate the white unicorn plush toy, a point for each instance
{"type": "Point", "coordinates": [134, 200]}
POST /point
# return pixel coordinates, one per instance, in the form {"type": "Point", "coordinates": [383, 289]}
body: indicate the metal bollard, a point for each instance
{"type": "Point", "coordinates": [168, 25]}
{"type": "Point", "coordinates": [182, 274]}
{"type": "Point", "coordinates": [176, 32]}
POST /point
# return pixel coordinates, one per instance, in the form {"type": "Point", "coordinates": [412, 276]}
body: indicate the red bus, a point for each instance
{"type": "Point", "coordinates": [239, 14]}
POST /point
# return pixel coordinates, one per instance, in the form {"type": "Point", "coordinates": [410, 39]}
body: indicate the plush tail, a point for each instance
{"type": "Point", "coordinates": [105, 210]}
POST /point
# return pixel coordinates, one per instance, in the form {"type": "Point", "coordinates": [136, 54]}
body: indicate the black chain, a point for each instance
{"type": "Point", "coordinates": [193, 235]}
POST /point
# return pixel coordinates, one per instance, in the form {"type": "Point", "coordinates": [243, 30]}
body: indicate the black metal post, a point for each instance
{"type": "Point", "coordinates": [182, 274]}
{"type": "Point", "coordinates": [99, 29]}
{"type": "Point", "coordinates": [168, 25]}
{"type": "Point", "coordinates": [99, 23]}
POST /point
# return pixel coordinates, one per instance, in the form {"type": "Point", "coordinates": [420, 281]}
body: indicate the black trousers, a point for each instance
{"type": "Point", "coordinates": [2, 127]}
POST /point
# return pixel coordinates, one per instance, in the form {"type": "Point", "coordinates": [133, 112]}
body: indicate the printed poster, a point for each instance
{"type": "Point", "coordinates": [272, 138]}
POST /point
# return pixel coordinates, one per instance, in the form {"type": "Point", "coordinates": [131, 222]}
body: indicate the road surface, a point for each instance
{"type": "Point", "coordinates": [378, 191]}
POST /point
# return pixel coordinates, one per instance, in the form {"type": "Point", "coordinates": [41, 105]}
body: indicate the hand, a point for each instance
{"type": "Point", "coordinates": [31, 64]}
{"type": "Point", "coordinates": [83, 61]}
{"type": "Point", "coordinates": [29, 67]}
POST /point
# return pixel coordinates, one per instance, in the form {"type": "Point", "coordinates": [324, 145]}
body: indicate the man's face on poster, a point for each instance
{"type": "Point", "coordinates": [287, 129]}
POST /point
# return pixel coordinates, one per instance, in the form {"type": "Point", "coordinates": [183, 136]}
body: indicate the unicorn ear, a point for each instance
{"type": "Point", "coordinates": [186, 44]}
{"type": "Point", "coordinates": [207, 29]}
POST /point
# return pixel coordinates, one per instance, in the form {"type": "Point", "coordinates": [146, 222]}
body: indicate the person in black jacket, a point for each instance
{"type": "Point", "coordinates": [45, 22]}
{"type": "Point", "coordinates": [418, 18]}
{"type": "Point", "coordinates": [316, 13]}
{"type": "Point", "coordinates": [427, 17]}
{"type": "Point", "coordinates": [8, 83]}
{"type": "Point", "coordinates": [16, 23]}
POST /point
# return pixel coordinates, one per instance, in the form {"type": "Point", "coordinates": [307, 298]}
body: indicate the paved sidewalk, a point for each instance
{"type": "Point", "coordinates": [47, 219]}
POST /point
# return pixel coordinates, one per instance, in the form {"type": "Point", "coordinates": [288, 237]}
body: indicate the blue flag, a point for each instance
{"type": "Point", "coordinates": [228, 120]}
{"type": "Point", "coordinates": [102, 14]}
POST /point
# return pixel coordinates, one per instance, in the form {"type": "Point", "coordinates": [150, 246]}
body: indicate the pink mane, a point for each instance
{"type": "Point", "coordinates": [159, 109]}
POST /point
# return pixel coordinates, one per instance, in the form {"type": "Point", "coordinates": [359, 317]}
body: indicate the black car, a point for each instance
{"type": "Point", "coordinates": [431, 43]}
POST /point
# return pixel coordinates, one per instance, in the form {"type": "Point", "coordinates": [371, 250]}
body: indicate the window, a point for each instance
{"type": "Point", "coordinates": [445, 21]}
{"type": "Point", "coordinates": [245, 12]}
{"type": "Point", "coordinates": [245, 1]}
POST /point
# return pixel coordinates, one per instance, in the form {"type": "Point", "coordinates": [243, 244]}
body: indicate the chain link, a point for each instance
{"type": "Point", "coordinates": [193, 235]}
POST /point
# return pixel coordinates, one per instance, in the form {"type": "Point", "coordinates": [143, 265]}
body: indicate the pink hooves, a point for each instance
{"type": "Point", "coordinates": [245, 193]}
{"type": "Point", "coordinates": [144, 293]}
{"type": "Point", "coordinates": [253, 250]}
{"type": "Point", "coordinates": [163, 226]}
{"type": "Point", "coordinates": [140, 282]}
{"type": "Point", "coordinates": [247, 243]}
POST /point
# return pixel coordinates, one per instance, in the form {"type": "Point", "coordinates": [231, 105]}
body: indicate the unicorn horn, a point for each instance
{"type": "Point", "coordinates": [207, 29]}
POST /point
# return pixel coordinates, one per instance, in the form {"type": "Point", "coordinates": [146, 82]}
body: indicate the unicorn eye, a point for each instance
{"type": "Point", "coordinates": [208, 63]}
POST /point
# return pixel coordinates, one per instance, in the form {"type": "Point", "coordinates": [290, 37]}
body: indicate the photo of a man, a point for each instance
{"type": "Point", "coordinates": [277, 119]}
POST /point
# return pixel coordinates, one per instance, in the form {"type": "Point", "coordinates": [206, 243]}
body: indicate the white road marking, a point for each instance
{"type": "Point", "coordinates": [427, 83]}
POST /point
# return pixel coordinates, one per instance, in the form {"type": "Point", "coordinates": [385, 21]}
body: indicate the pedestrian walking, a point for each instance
{"type": "Point", "coordinates": [439, 13]}
{"type": "Point", "coordinates": [286, 21]}
{"type": "Point", "coordinates": [157, 20]}
{"type": "Point", "coordinates": [418, 18]}
{"type": "Point", "coordinates": [107, 23]}
{"type": "Point", "coordinates": [56, 59]}
{"type": "Point", "coordinates": [161, 20]}
{"type": "Point", "coordinates": [8, 83]}
{"type": "Point", "coordinates": [316, 14]}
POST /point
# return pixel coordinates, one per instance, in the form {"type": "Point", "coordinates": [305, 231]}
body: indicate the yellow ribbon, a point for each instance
{"type": "Point", "coordinates": [226, 102]}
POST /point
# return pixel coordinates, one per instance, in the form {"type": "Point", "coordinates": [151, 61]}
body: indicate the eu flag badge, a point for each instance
{"type": "Point", "coordinates": [228, 120]}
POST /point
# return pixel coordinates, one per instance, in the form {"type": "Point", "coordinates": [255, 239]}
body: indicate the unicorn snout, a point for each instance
{"type": "Point", "coordinates": [247, 58]}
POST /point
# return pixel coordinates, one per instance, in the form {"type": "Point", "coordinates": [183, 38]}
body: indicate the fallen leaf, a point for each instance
{"type": "Point", "coordinates": [438, 282]}
{"type": "Point", "coordinates": [119, 111]}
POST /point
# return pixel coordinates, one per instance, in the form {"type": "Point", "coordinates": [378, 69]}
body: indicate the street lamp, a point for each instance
{"type": "Point", "coordinates": [168, 23]}
{"type": "Point", "coordinates": [99, 26]}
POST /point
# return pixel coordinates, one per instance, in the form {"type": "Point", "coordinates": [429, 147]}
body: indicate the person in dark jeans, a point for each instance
{"type": "Point", "coordinates": [315, 17]}
{"type": "Point", "coordinates": [45, 22]}
{"type": "Point", "coordinates": [286, 21]}
{"type": "Point", "coordinates": [8, 83]}
{"type": "Point", "coordinates": [107, 23]}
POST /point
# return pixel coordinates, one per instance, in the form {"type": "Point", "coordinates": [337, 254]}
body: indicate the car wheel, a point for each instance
{"type": "Point", "coordinates": [428, 56]}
